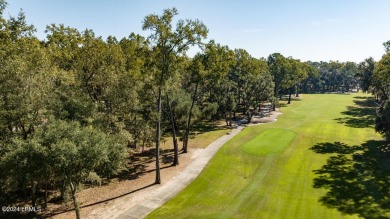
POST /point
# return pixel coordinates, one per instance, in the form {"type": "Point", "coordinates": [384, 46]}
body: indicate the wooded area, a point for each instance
{"type": "Point", "coordinates": [75, 105]}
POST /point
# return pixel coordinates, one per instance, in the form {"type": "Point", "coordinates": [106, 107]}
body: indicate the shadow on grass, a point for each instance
{"type": "Point", "coordinates": [362, 115]}
{"type": "Point", "coordinates": [138, 163]}
{"type": "Point", "coordinates": [203, 127]}
{"type": "Point", "coordinates": [280, 105]}
{"type": "Point", "coordinates": [357, 178]}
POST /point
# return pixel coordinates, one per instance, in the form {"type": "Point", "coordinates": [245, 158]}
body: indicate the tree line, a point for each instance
{"type": "Point", "coordinates": [374, 77]}
{"type": "Point", "coordinates": [74, 106]}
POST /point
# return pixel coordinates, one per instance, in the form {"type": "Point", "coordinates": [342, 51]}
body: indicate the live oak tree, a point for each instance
{"type": "Point", "coordinates": [331, 76]}
{"type": "Point", "coordinates": [254, 82]}
{"type": "Point", "coordinates": [76, 151]}
{"type": "Point", "coordinates": [298, 72]}
{"type": "Point", "coordinates": [366, 69]}
{"type": "Point", "coordinates": [381, 80]}
{"type": "Point", "coordinates": [279, 67]}
{"type": "Point", "coordinates": [381, 84]}
{"type": "Point", "coordinates": [167, 44]}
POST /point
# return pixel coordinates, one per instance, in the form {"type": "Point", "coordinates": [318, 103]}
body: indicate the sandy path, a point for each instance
{"type": "Point", "coordinates": [164, 192]}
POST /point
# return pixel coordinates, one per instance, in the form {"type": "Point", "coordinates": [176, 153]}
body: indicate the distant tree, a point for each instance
{"type": "Point", "coordinates": [365, 74]}
{"type": "Point", "coordinates": [349, 72]}
{"type": "Point", "coordinates": [279, 67]}
{"type": "Point", "coordinates": [255, 82]}
{"type": "Point", "coordinates": [381, 79]}
{"type": "Point", "coordinates": [312, 82]}
{"type": "Point", "coordinates": [167, 44]}
{"type": "Point", "coordinates": [387, 46]}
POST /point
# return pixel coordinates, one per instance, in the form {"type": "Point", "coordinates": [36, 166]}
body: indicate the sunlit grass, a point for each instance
{"type": "Point", "coordinates": [273, 179]}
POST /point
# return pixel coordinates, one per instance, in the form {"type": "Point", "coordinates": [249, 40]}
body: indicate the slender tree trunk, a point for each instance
{"type": "Point", "coordinates": [63, 188]}
{"type": "Point", "coordinates": [175, 146]}
{"type": "Point", "coordinates": [158, 137]}
{"type": "Point", "coordinates": [187, 132]}
{"type": "Point", "coordinates": [230, 118]}
{"type": "Point", "coordinates": [274, 104]}
{"type": "Point", "coordinates": [74, 198]}
{"type": "Point", "coordinates": [248, 116]}
{"type": "Point", "coordinates": [226, 119]}
{"type": "Point", "coordinates": [33, 193]}
{"type": "Point", "coordinates": [45, 197]}
{"type": "Point", "coordinates": [289, 96]}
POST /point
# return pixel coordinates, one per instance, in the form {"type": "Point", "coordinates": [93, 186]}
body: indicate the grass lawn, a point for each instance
{"type": "Point", "coordinates": [201, 135]}
{"type": "Point", "coordinates": [266, 171]}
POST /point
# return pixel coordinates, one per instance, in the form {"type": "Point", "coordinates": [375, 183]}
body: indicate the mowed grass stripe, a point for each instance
{"type": "Point", "coordinates": [270, 141]}
{"type": "Point", "coordinates": [275, 182]}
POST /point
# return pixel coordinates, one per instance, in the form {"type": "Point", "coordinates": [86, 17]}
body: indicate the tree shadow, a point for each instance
{"type": "Point", "coordinates": [205, 126]}
{"type": "Point", "coordinates": [137, 163]}
{"type": "Point", "coordinates": [281, 105]}
{"type": "Point", "coordinates": [361, 115]}
{"type": "Point", "coordinates": [357, 178]}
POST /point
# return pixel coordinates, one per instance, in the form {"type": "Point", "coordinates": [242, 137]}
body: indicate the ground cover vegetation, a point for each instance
{"type": "Point", "coordinates": [295, 168]}
{"type": "Point", "coordinates": [314, 160]}
{"type": "Point", "coordinates": [74, 107]}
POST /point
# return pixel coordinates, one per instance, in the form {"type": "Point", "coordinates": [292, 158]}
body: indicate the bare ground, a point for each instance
{"type": "Point", "coordinates": [107, 200]}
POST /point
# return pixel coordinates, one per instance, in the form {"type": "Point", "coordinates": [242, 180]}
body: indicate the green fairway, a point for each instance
{"type": "Point", "coordinates": [266, 171]}
{"type": "Point", "coordinates": [270, 141]}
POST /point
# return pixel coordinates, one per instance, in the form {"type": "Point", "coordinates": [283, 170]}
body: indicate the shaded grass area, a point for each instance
{"type": "Point", "coordinates": [357, 178]}
{"type": "Point", "coordinates": [360, 115]}
{"type": "Point", "coordinates": [138, 162]}
{"type": "Point", "coordinates": [265, 184]}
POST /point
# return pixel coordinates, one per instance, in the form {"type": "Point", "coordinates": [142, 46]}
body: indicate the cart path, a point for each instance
{"type": "Point", "coordinates": [167, 191]}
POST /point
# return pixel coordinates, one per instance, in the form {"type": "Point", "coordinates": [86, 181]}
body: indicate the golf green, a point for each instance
{"type": "Point", "coordinates": [268, 170]}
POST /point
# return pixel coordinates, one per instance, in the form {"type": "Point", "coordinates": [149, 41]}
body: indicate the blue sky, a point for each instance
{"type": "Point", "coordinates": [322, 30]}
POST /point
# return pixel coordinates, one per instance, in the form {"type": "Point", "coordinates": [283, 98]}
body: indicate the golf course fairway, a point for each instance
{"type": "Point", "coordinates": [267, 170]}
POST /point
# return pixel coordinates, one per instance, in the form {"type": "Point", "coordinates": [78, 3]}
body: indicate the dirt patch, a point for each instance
{"type": "Point", "coordinates": [266, 118]}
{"type": "Point", "coordinates": [110, 200]}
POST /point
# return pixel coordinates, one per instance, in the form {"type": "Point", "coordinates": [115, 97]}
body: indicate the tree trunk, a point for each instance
{"type": "Point", "coordinates": [187, 132]}
{"type": "Point", "coordinates": [175, 146]}
{"type": "Point", "coordinates": [248, 116]}
{"type": "Point", "coordinates": [63, 188]}
{"type": "Point", "coordinates": [74, 198]}
{"type": "Point", "coordinates": [226, 119]}
{"type": "Point", "coordinates": [33, 193]}
{"type": "Point", "coordinates": [289, 96]}
{"type": "Point", "coordinates": [274, 104]}
{"type": "Point", "coordinates": [158, 137]}
{"type": "Point", "coordinates": [45, 197]}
